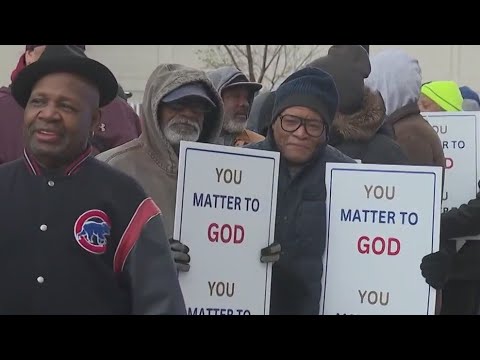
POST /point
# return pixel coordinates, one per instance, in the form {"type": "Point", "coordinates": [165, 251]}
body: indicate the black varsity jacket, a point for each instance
{"type": "Point", "coordinates": [86, 240]}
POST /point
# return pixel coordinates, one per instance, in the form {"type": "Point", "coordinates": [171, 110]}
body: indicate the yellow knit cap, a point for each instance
{"type": "Point", "coordinates": [446, 94]}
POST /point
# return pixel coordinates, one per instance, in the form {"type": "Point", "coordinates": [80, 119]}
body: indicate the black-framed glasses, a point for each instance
{"type": "Point", "coordinates": [291, 123]}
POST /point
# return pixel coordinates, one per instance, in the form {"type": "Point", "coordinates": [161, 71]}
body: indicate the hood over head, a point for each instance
{"type": "Point", "coordinates": [164, 80]}
{"type": "Point", "coordinates": [398, 78]}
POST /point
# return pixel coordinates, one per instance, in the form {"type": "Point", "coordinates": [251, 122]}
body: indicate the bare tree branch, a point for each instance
{"type": "Point", "coordinates": [272, 63]}
{"type": "Point", "coordinates": [285, 69]}
{"type": "Point", "coordinates": [274, 56]}
{"type": "Point", "coordinates": [274, 76]}
{"type": "Point", "coordinates": [241, 51]}
{"type": "Point", "coordinates": [264, 63]}
{"type": "Point", "coordinates": [307, 59]}
{"type": "Point", "coordinates": [230, 54]}
{"type": "Point", "coordinates": [250, 63]}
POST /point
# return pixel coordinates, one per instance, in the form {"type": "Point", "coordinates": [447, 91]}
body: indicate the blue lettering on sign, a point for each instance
{"type": "Point", "coordinates": [217, 201]}
{"type": "Point", "coordinates": [368, 216]}
{"type": "Point", "coordinates": [216, 311]}
{"type": "Point", "coordinates": [379, 216]}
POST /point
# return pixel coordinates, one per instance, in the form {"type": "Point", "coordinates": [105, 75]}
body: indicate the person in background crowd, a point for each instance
{"type": "Point", "coordinates": [471, 100]}
{"type": "Point", "coordinates": [78, 237]}
{"type": "Point", "coordinates": [118, 125]}
{"type": "Point", "coordinates": [261, 114]}
{"type": "Point", "coordinates": [179, 103]}
{"type": "Point", "coordinates": [303, 112]}
{"type": "Point", "coordinates": [457, 274]}
{"type": "Point", "coordinates": [237, 95]}
{"type": "Point", "coordinates": [440, 96]}
{"type": "Point", "coordinates": [398, 77]}
{"type": "Point", "coordinates": [357, 128]}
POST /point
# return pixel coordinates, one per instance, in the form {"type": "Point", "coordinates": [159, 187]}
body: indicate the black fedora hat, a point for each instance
{"type": "Point", "coordinates": [70, 59]}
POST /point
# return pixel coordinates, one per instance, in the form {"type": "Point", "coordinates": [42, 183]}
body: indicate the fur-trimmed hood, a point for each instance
{"type": "Point", "coordinates": [364, 124]}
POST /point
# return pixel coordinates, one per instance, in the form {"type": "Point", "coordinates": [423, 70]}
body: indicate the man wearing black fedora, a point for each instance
{"type": "Point", "coordinates": [78, 237]}
{"type": "Point", "coordinates": [119, 123]}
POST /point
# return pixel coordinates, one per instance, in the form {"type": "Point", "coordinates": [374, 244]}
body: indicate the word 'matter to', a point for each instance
{"type": "Point", "coordinates": [378, 216]}
{"type": "Point", "coordinates": [216, 311]}
{"type": "Point", "coordinates": [453, 144]}
{"type": "Point", "coordinates": [225, 202]}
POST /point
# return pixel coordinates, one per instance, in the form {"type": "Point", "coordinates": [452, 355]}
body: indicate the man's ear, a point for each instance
{"type": "Point", "coordinates": [29, 57]}
{"type": "Point", "coordinates": [96, 119]}
{"type": "Point", "coordinates": [421, 102]}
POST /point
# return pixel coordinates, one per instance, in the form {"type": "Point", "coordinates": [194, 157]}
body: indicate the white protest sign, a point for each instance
{"type": "Point", "coordinates": [458, 132]}
{"type": "Point", "coordinates": [225, 213]}
{"type": "Point", "coordinates": [381, 221]}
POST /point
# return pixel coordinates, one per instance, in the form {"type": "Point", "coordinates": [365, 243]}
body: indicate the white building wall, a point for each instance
{"type": "Point", "coordinates": [132, 64]}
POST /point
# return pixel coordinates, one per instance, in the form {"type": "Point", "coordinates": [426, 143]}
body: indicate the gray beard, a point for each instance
{"type": "Point", "coordinates": [232, 126]}
{"type": "Point", "coordinates": [174, 136]}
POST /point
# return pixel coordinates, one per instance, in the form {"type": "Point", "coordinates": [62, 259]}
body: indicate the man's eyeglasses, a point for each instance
{"type": "Point", "coordinates": [291, 123]}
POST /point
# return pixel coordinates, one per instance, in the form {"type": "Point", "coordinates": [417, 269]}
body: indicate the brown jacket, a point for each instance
{"type": "Point", "coordinates": [417, 137]}
{"type": "Point", "coordinates": [247, 137]}
{"type": "Point", "coordinates": [150, 159]}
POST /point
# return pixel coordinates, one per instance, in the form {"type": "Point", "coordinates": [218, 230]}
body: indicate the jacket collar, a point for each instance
{"type": "Point", "coordinates": [36, 169]}
{"type": "Point", "coordinates": [405, 111]}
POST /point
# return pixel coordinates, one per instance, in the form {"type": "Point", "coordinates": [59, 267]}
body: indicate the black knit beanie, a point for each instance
{"type": "Point", "coordinates": [308, 87]}
{"type": "Point", "coordinates": [349, 66]}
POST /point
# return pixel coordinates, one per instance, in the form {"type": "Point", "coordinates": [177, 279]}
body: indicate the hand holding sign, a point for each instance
{"type": "Point", "coordinates": [180, 255]}
{"type": "Point", "coordinates": [271, 253]}
{"type": "Point", "coordinates": [436, 268]}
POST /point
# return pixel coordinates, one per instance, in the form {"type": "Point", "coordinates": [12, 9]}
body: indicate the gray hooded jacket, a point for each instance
{"type": "Point", "coordinates": [150, 159]}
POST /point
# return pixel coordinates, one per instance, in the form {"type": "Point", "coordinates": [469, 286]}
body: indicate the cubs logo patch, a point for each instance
{"type": "Point", "coordinates": [92, 230]}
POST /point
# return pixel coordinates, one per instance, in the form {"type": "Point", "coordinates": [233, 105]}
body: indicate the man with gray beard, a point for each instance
{"type": "Point", "coordinates": [237, 93]}
{"type": "Point", "coordinates": [179, 103]}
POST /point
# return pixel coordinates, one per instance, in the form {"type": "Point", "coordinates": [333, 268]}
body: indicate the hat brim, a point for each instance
{"type": "Point", "coordinates": [251, 85]}
{"type": "Point", "coordinates": [188, 91]}
{"type": "Point", "coordinates": [93, 71]}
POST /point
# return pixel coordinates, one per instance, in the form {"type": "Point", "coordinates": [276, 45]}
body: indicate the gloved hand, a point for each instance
{"type": "Point", "coordinates": [271, 253]}
{"type": "Point", "coordinates": [180, 255]}
{"type": "Point", "coordinates": [436, 268]}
